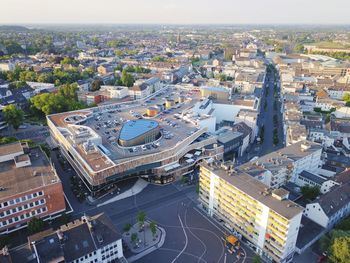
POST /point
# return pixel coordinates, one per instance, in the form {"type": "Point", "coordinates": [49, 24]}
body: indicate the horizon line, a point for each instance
{"type": "Point", "coordinates": [260, 24]}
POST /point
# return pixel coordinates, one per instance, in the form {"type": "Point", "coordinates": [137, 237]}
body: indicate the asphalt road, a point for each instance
{"type": "Point", "coordinates": [265, 119]}
{"type": "Point", "coordinates": [190, 236]}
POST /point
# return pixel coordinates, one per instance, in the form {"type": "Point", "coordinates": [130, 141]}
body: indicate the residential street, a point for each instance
{"type": "Point", "coordinates": [267, 115]}
{"type": "Point", "coordinates": [266, 122]}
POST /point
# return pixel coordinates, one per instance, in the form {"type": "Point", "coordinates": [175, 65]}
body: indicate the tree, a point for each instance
{"type": "Point", "coordinates": [6, 140]}
{"type": "Point", "coordinates": [45, 77]}
{"type": "Point", "coordinates": [346, 97]}
{"type": "Point", "coordinates": [127, 227]}
{"type": "Point", "coordinates": [184, 179]}
{"type": "Point", "coordinates": [65, 219]}
{"type": "Point", "coordinates": [141, 216]}
{"type": "Point", "coordinates": [344, 224]}
{"type": "Point", "coordinates": [35, 225]}
{"type": "Point", "coordinates": [64, 100]}
{"type": "Point", "coordinates": [69, 61]}
{"type": "Point", "coordinates": [69, 91]}
{"type": "Point", "coordinates": [134, 237]}
{"type": "Point", "coordinates": [127, 79]}
{"type": "Point", "coordinates": [13, 116]}
{"type": "Point", "coordinates": [324, 243]}
{"type": "Point", "coordinates": [222, 77]}
{"type": "Point", "coordinates": [96, 84]}
{"type": "Point", "coordinates": [4, 240]}
{"type": "Point", "coordinates": [299, 48]}
{"type": "Point", "coordinates": [310, 192]}
{"type": "Point", "coordinates": [158, 59]}
{"type": "Point", "coordinates": [153, 228]}
{"type": "Point", "coordinates": [340, 247]}
{"type": "Point", "coordinates": [256, 259]}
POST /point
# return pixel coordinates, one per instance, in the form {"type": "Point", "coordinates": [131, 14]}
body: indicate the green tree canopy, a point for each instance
{"type": "Point", "coordinates": [134, 237]}
{"type": "Point", "coordinates": [127, 227]}
{"type": "Point", "coordinates": [141, 216]}
{"type": "Point", "coordinates": [340, 247]}
{"type": "Point", "coordinates": [69, 61]}
{"type": "Point", "coordinates": [153, 228]}
{"type": "Point", "coordinates": [127, 79]}
{"type": "Point", "coordinates": [4, 240]}
{"type": "Point", "coordinates": [96, 84]}
{"type": "Point", "coordinates": [256, 259]}
{"type": "Point", "coordinates": [310, 192]}
{"type": "Point", "coordinates": [299, 48]}
{"type": "Point", "coordinates": [13, 116]}
{"type": "Point", "coordinates": [64, 100]}
{"type": "Point", "coordinates": [35, 225]}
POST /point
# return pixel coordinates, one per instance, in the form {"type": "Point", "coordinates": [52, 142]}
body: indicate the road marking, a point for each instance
{"type": "Point", "coordinates": [245, 254]}
{"type": "Point", "coordinates": [186, 240]}
{"type": "Point", "coordinates": [189, 229]}
{"type": "Point", "coordinates": [185, 253]}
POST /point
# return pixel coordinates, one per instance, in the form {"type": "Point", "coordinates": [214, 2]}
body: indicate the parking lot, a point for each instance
{"type": "Point", "coordinates": [109, 123]}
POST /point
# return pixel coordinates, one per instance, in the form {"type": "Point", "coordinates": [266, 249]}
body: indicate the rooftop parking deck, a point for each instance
{"type": "Point", "coordinates": [107, 123]}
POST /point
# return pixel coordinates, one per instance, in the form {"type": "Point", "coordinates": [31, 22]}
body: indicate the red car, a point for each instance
{"type": "Point", "coordinates": [321, 258]}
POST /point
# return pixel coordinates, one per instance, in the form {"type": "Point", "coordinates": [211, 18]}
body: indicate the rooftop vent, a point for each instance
{"type": "Point", "coordinates": [99, 239]}
{"type": "Point", "coordinates": [305, 146]}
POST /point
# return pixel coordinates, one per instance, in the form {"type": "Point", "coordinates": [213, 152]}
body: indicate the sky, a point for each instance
{"type": "Point", "coordinates": [175, 11]}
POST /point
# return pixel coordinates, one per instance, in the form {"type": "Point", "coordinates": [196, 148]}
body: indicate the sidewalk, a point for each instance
{"type": "Point", "coordinates": [134, 190]}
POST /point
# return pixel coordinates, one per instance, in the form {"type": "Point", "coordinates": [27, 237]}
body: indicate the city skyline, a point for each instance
{"type": "Point", "coordinates": [175, 12]}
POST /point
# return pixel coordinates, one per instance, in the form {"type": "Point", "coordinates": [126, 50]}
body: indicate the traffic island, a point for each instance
{"type": "Point", "coordinates": [143, 240]}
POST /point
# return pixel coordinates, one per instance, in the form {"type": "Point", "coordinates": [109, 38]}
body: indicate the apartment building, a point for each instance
{"type": "Point", "coordinates": [86, 240]}
{"type": "Point", "coordinates": [29, 187]}
{"type": "Point", "coordinates": [264, 217]}
{"type": "Point", "coordinates": [142, 89]}
{"type": "Point", "coordinates": [277, 168]}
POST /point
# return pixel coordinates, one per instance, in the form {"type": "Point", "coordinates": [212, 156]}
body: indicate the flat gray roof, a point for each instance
{"type": "Point", "coordinates": [18, 180]}
{"type": "Point", "coordinates": [255, 189]}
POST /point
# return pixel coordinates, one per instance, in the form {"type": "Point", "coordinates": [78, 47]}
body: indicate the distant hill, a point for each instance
{"type": "Point", "coordinates": [13, 28]}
